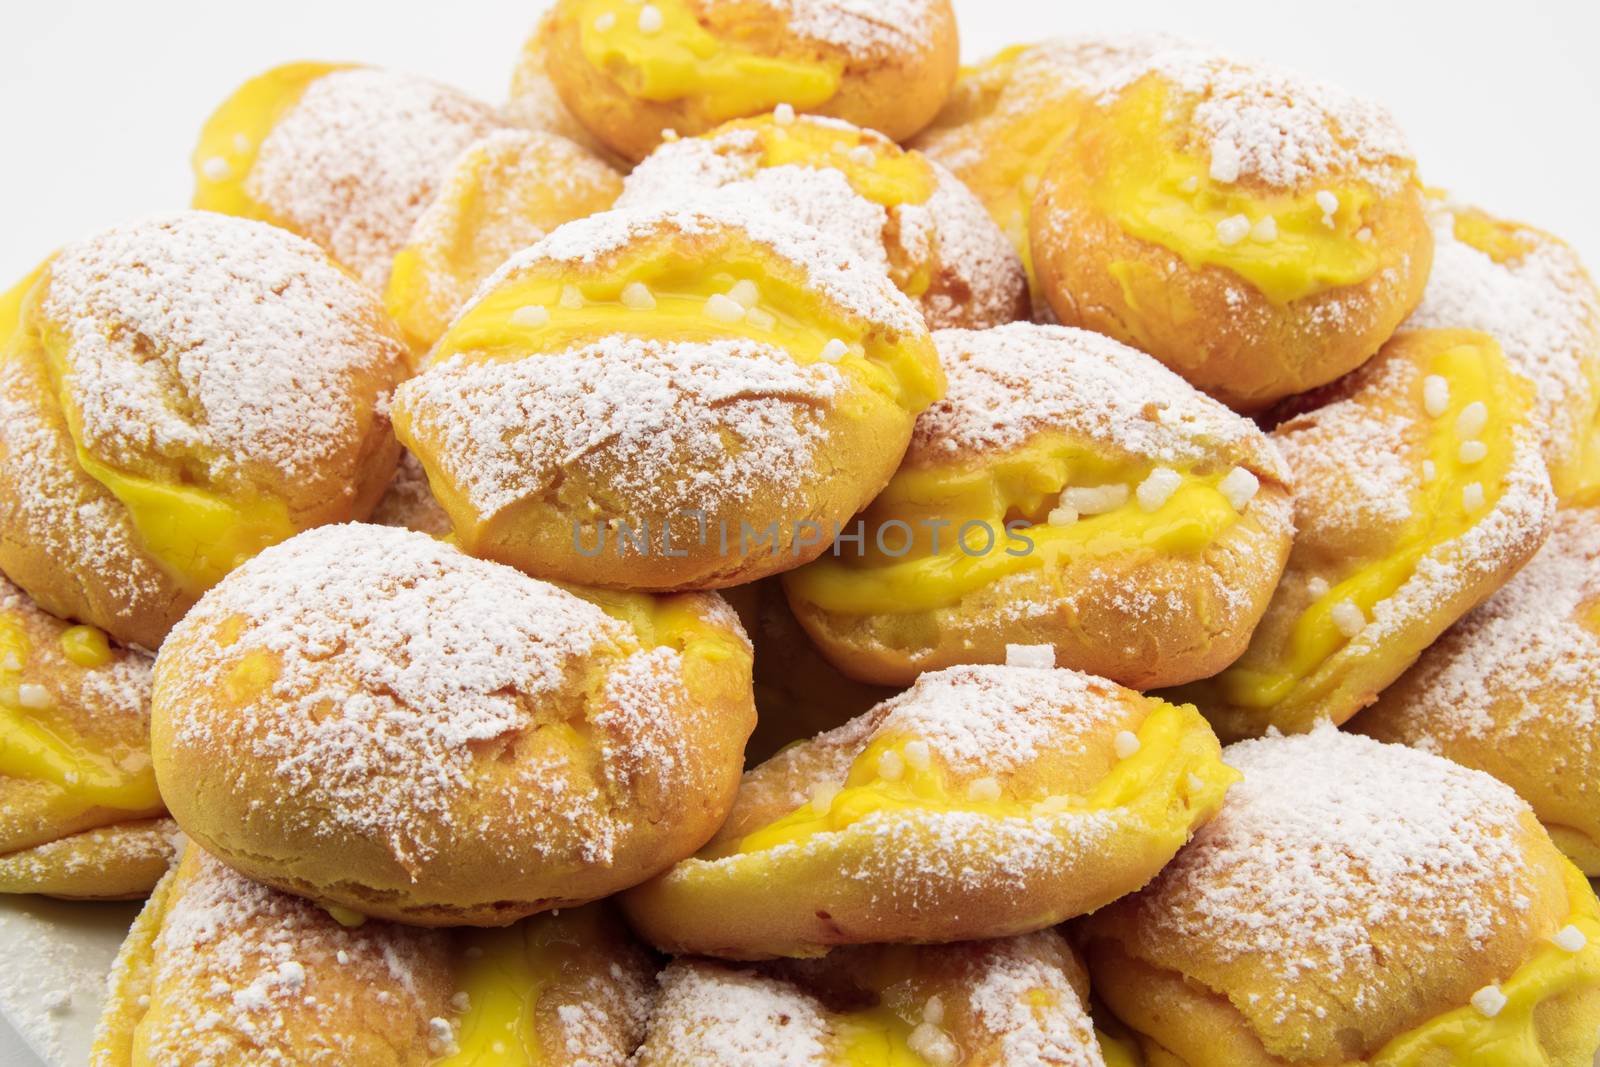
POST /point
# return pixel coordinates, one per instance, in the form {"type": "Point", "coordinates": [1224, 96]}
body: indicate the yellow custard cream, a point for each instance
{"type": "Point", "coordinates": [670, 296]}
{"type": "Point", "coordinates": [232, 136]}
{"type": "Point", "coordinates": [663, 52]}
{"type": "Point", "coordinates": [38, 742]}
{"type": "Point", "coordinates": [197, 533]}
{"type": "Point", "coordinates": [1160, 783]}
{"type": "Point", "coordinates": [504, 973]}
{"type": "Point", "coordinates": [1287, 245]}
{"type": "Point", "coordinates": [1023, 499]}
{"type": "Point", "coordinates": [1477, 400]}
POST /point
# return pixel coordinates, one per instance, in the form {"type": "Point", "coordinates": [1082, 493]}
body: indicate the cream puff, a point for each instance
{"type": "Point", "coordinates": [368, 717]}
{"type": "Point", "coordinates": [1067, 491]}
{"type": "Point", "coordinates": [1420, 491]}
{"type": "Point", "coordinates": [180, 393]}
{"type": "Point", "coordinates": [1514, 689]}
{"type": "Point", "coordinates": [896, 209]}
{"type": "Point", "coordinates": [1258, 233]}
{"type": "Point", "coordinates": [983, 802]}
{"type": "Point", "coordinates": [1530, 291]}
{"type": "Point", "coordinates": [1015, 1001]}
{"type": "Point", "coordinates": [1357, 903]}
{"type": "Point", "coordinates": [1009, 115]}
{"type": "Point", "coordinates": [637, 74]}
{"type": "Point", "coordinates": [418, 189]}
{"type": "Point", "coordinates": [223, 971]}
{"type": "Point", "coordinates": [534, 104]}
{"type": "Point", "coordinates": [503, 193]}
{"type": "Point", "coordinates": [669, 400]}
{"type": "Point", "coordinates": [346, 156]}
{"type": "Point", "coordinates": [78, 801]}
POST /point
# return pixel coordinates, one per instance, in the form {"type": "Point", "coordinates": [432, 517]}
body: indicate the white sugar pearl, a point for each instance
{"type": "Point", "coordinates": [761, 320]}
{"type": "Point", "coordinates": [1570, 939]}
{"type": "Point", "coordinates": [605, 22]}
{"type": "Point", "coordinates": [30, 695]}
{"type": "Point", "coordinates": [933, 1045]}
{"type": "Point", "coordinates": [822, 795]}
{"type": "Point", "coordinates": [1473, 418]}
{"type": "Point", "coordinates": [1224, 161]}
{"type": "Point", "coordinates": [1157, 489]}
{"type": "Point", "coordinates": [342, 956]}
{"type": "Point", "coordinates": [983, 790]}
{"type": "Point", "coordinates": [1126, 744]}
{"type": "Point", "coordinates": [1472, 451]}
{"type": "Point", "coordinates": [1327, 202]}
{"type": "Point", "coordinates": [241, 143]}
{"type": "Point", "coordinates": [746, 292]}
{"type": "Point", "coordinates": [1265, 230]}
{"type": "Point", "coordinates": [917, 754]}
{"type": "Point", "coordinates": [1039, 656]}
{"type": "Point", "coordinates": [1233, 229]}
{"type": "Point", "coordinates": [530, 315]}
{"type": "Point", "coordinates": [933, 1010]}
{"type": "Point", "coordinates": [834, 350]}
{"type": "Point", "coordinates": [1349, 618]}
{"type": "Point", "coordinates": [217, 169]}
{"type": "Point", "coordinates": [1061, 516]}
{"type": "Point", "coordinates": [1489, 1001]}
{"type": "Point", "coordinates": [861, 155]}
{"type": "Point", "coordinates": [1317, 587]}
{"type": "Point", "coordinates": [1190, 184]}
{"type": "Point", "coordinates": [724, 308]}
{"type": "Point", "coordinates": [1239, 487]}
{"type": "Point", "coordinates": [783, 114]}
{"type": "Point", "coordinates": [650, 19]}
{"type": "Point", "coordinates": [1472, 496]}
{"type": "Point", "coordinates": [891, 765]}
{"type": "Point", "coordinates": [1094, 499]}
{"type": "Point", "coordinates": [638, 296]}
{"type": "Point", "coordinates": [1435, 395]}
{"type": "Point", "coordinates": [571, 297]}
{"type": "Point", "coordinates": [1430, 471]}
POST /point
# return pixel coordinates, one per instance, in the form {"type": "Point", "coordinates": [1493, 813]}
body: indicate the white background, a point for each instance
{"type": "Point", "coordinates": [100, 102]}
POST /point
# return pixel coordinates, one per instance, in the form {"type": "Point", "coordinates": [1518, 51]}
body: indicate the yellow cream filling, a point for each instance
{"type": "Point", "coordinates": [36, 746]}
{"type": "Point", "coordinates": [1020, 486]}
{"type": "Point", "coordinates": [232, 136]}
{"type": "Point", "coordinates": [504, 973]}
{"type": "Point", "coordinates": [1157, 192]}
{"type": "Point", "coordinates": [1475, 373]}
{"type": "Point", "coordinates": [662, 52]}
{"type": "Point", "coordinates": [671, 621]}
{"type": "Point", "coordinates": [874, 1037]}
{"type": "Point", "coordinates": [538, 315]}
{"type": "Point", "coordinates": [1159, 783]}
{"type": "Point", "coordinates": [1116, 1051]}
{"type": "Point", "coordinates": [884, 173]}
{"type": "Point", "coordinates": [86, 646]}
{"type": "Point", "coordinates": [196, 533]}
{"type": "Point", "coordinates": [11, 302]}
{"type": "Point", "coordinates": [1510, 1038]}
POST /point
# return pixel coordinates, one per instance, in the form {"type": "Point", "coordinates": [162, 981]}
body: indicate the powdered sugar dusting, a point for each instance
{"type": "Point", "coordinates": [1543, 309]}
{"type": "Point", "coordinates": [997, 718]}
{"type": "Point", "coordinates": [651, 420]}
{"type": "Point", "coordinates": [216, 342]}
{"type": "Point", "coordinates": [949, 236]}
{"type": "Point", "coordinates": [1524, 664]}
{"type": "Point", "coordinates": [1013, 996]}
{"type": "Point", "coordinates": [863, 28]}
{"type": "Point", "coordinates": [359, 157]}
{"type": "Point", "coordinates": [734, 1018]}
{"type": "Point", "coordinates": [1329, 837]}
{"type": "Point", "coordinates": [400, 657]}
{"type": "Point", "coordinates": [1016, 381]}
{"type": "Point", "coordinates": [860, 288]}
{"type": "Point", "coordinates": [248, 971]}
{"type": "Point", "coordinates": [1280, 128]}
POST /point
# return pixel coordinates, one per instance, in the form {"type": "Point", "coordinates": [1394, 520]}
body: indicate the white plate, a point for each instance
{"type": "Point", "coordinates": [52, 981]}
